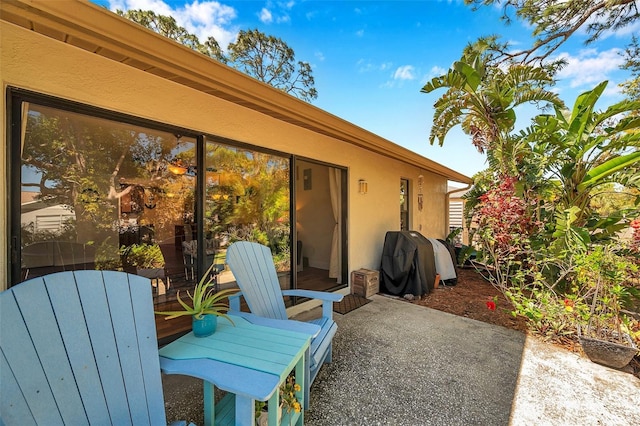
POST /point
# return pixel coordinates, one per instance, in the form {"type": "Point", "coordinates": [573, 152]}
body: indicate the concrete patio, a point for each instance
{"type": "Point", "coordinates": [401, 364]}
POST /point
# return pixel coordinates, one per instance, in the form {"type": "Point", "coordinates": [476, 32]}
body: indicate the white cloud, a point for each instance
{"type": "Point", "coordinates": [319, 55]}
{"type": "Point", "coordinates": [589, 66]}
{"type": "Point", "coordinates": [283, 19]}
{"type": "Point", "coordinates": [276, 12]}
{"type": "Point", "coordinates": [629, 30]}
{"type": "Point", "coordinates": [265, 16]}
{"type": "Point", "coordinates": [365, 66]}
{"type": "Point", "coordinates": [158, 6]}
{"type": "Point", "coordinates": [360, 33]}
{"type": "Point", "coordinates": [624, 32]}
{"type": "Point", "coordinates": [405, 72]}
{"type": "Point", "coordinates": [435, 71]}
{"type": "Point", "coordinates": [203, 18]}
{"type": "Point", "coordinates": [612, 90]}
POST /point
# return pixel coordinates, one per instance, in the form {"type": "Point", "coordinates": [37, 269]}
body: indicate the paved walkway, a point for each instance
{"type": "Point", "coordinates": [401, 364]}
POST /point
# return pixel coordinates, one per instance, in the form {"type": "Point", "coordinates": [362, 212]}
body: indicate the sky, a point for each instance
{"type": "Point", "coordinates": [371, 58]}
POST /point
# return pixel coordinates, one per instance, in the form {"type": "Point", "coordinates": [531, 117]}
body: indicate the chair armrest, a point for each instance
{"type": "Point", "coordinates": [326, 297]}
{"type": "Point", "coordinates": [312, 294]}
{"type": "Point", "coordinates": [234, 302]}
{"type": "Point", "coordinates": [290, 325]}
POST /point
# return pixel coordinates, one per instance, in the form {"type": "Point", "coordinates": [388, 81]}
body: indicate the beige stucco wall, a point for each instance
{"type": "Point", "coordinates": [34, 62]}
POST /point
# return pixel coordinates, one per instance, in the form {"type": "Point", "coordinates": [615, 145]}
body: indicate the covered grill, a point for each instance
{"type": "Point", "coordinates": [410, 263]}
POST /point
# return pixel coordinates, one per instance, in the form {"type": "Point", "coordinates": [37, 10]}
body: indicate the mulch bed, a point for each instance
{"type": "Point", "coordinates": [469, 297]}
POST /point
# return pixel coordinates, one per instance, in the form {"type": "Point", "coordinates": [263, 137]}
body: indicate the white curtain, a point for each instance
{"type": "Point", "coordinates": [335, 263]}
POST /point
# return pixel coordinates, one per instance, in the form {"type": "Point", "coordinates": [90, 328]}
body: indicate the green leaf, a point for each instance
{"type": "Point", "coordinates": [607, 168]}
{"type": "Point", "coordinates": [583, 108]}
{"type": "Point", "coordinates": [472, 78]}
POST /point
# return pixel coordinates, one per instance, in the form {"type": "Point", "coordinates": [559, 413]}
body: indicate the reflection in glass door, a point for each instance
{"type": "Point", "coordinates": [247, 199]}
{"type": "Point", "coordinates": [100, 194]}
{"type": "Point", "coordinates": [404, 204]}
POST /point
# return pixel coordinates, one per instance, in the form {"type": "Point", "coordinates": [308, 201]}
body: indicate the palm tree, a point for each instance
{"type": "Point", "coordinates": [483, 99]}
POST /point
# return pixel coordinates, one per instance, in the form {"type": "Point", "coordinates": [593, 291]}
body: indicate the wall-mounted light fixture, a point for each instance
{"type": "Point", "coordinates": [363, 186]}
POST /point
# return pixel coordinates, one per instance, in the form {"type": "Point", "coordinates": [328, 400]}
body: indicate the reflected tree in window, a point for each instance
{"type": "Point", "coordinates": [108, 175]}
{"type": "Point", "coordinates": [248, 198]}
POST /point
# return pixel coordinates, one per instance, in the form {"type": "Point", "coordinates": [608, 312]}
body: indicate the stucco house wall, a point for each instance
{"type": "Point", "coordinates": [36, 62]}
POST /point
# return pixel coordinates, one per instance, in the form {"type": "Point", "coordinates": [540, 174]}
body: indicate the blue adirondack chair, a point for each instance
{"type": "Point", "coordinates": [80, 348]}
{"type": "Point", "coordinates": [254, 271]}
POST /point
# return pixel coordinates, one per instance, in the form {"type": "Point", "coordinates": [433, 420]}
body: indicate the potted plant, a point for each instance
{"type": "Point", "coordinates": [605, 338]}
{"type": "Point", "coordinates": [205, 305]}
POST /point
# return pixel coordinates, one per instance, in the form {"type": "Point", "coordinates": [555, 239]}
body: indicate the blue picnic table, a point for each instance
{"type": "Point", "coordinates": [246, 360]}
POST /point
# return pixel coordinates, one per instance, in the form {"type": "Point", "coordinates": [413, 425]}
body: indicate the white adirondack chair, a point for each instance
{"type": "Point", "coordinates": [80, 348]}
{"type": "Point", "coordinates": [255, 273]}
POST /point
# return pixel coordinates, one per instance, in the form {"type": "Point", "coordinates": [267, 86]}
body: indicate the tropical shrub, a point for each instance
{"type": "Point", "coordinates": [142, 256]}
{"type": "Point", "coordinates": [601, 280]}
{"type": "Point", "coordinates": [536, 228]}
{"type": "Point", "coordinates": [504, 232]}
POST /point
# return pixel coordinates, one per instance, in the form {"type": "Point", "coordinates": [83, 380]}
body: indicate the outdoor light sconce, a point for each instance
{"type": "Point", "coordinates": [363, 186]}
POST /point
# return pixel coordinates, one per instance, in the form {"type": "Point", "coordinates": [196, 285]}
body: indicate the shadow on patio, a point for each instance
{"type": "Point", "coordinates": [395, 363]}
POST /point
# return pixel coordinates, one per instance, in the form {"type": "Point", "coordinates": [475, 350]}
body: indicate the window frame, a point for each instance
{"type": "Point", "coordinates": [15, 97]}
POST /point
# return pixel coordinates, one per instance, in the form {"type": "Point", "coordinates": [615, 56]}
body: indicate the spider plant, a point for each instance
{"type": "Point", "coordinates": [204, 300]}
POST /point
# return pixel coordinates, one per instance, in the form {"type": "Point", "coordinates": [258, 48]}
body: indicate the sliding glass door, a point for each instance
{"type": "Point", "coordinates": [247, 199]}
{"type": "Point", "coordinates": [93, 189]}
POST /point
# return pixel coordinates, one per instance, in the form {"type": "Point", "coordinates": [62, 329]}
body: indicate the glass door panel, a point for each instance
{"type": "Point", "coordinates": [247, 199]}
{"type": "Point", "coordinates": [101, 194]}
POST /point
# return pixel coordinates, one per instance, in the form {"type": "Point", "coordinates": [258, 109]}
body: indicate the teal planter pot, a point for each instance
{"type": "Point", "coordinates": [204, 327]}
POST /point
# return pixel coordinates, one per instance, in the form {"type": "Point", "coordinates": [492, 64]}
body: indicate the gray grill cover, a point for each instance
{"type": "Point", "coordinates": [408, 264]}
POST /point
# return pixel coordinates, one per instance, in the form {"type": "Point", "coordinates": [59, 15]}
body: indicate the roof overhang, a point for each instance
{"type": "Point", "coordinates": [97, 30]}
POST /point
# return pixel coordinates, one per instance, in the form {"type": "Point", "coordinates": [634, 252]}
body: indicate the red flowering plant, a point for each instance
{"type": "Point", "coordinates": [505, 227]}
{"type": "Point", "coordinates": [492, 303]}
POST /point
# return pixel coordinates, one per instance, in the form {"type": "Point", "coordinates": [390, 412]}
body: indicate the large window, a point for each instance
{"type": "Point", "coordinates": [100, 194]}
{"type": "Point", "coordinates": [100, 190]}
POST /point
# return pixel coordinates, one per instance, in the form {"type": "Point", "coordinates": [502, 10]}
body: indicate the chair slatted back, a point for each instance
{"type": "Point", "coordinates": [252, 265]}
{"type": "Point", "coordinates": [80, 348]}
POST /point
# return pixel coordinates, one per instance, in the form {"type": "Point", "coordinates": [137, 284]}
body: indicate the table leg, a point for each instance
{"type": "Point", "coordinates": [273, 406]}
{"type": "Point", "coordinates": [209, 404]}
{"type": "Point", "coordinates": [245, 411]}
{"type": "Point", "coordinates": [303, 394]}
{"type": "Point", "coordinates": [307, 379]}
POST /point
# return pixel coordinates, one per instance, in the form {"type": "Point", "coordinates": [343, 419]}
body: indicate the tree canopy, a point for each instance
{"type": "Point", "coordinates": [264, 57]}
{"type": "Point", "coordinates": [269, 59]}
{"type": "Point", "coordinates": [631, 87]}
{"type": "Point", "coordinates": [482, 98]}
{"type": "Point", "coordinates": [554, 21]}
